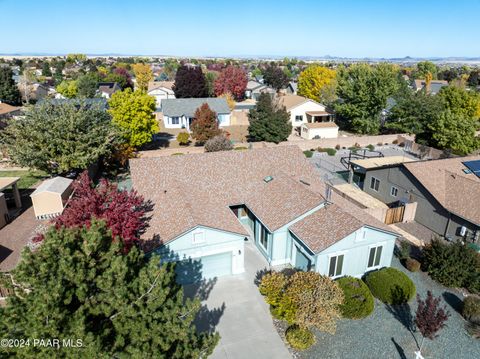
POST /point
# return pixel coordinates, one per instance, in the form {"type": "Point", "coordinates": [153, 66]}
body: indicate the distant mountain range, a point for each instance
{"type": "Point", "coordinates": [406, 59]}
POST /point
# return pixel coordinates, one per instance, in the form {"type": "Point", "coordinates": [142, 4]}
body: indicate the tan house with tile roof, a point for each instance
{"type": "Point", "coordinates": [447, 193]}
{"type": "Point", "coordinates": [206, 205]}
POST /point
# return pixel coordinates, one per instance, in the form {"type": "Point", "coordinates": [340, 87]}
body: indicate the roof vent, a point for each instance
{"type": "Point", "coordinates": [268, 179]}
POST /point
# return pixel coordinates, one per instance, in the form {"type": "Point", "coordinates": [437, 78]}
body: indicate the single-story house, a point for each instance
{"type": "Point", "coordinates": [180, 112]}
{"type": "Point", "coordinates": [306, 111]}
{"type": "Point", "coordinates": [447, 193]}
{"type": "Point", "coordinates": [205, 206]}
{"type": "Point", "coordinates": [50, 198]}
{"type": "Point", "coordinates": [107, 89]}
{"type": "Point", "coordinates": [161, 90]}
{"type": "Point", "coordinates": [434, 88]}
{"type": "Point", "coordinates": [255, 88]}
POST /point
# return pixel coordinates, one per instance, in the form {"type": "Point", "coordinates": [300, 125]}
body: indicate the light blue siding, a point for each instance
{"type": "Point", "coordinates": [221, 249]}
{"type": "Point", "coordinates": [356, 248]}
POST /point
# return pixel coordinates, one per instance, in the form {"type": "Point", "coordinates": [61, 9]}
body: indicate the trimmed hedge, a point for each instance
{"type": "Point", "coordinates": [308, 154]}
{"type": "Point", "coordinates": [471, 308]}
{"type": "Point", "coordinates": [412, 265]}
{"type": "Point", "coordinates": [299, 338]}
{"type": "Point", "coordinates": [391, 286]}
{"type": "Point", "coordinates": [358, 302]}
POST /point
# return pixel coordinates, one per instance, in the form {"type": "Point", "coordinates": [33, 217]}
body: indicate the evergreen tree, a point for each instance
{"type": "Point", "coordinates": [190, 82]}
{"type": "Point", "coordinates": [46, 69]}
{"type": "Point", "coordinates": [9, 91]}
{"type": "Point", "coordinates": [268, 122]}
{"type": "Point", "coordinates": [58, 138]}
{"type": "Point", "coordinates": [81, 285]}
{"type": "Point", "coordinates": [87, 85]}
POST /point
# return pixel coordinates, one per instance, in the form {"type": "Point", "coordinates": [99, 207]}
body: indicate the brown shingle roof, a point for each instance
{"type": "Point", "coordinates": [290, 101]}
{"type": "Point", "coordinates": [325, 227]}
{"type": "Point", "coordinates": [156, 84]}
{"type": "Point", "coordinates": [197, 189]}
{"type": "Point", "coordinates": [5, 108]}
{"type": "Point", "coordinates": [455, 190]}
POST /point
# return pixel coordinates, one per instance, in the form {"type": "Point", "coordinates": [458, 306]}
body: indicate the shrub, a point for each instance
{"type": "Point", "coordinates": [308, 153]}
{"type": "Point", "coordinates": [316, 300]}
{"type": "Point", "coordinates": [395, 142]}
{"type": "Point", "coordinates": [412, 265]}
{"type": "Point", "coordinates": [380, 144]}
{"type": "Point", "coordinates": [471, 308]}
{"type": "Point", "coordinates": [358, 302]}
{"type": "Point", "coordinates": [329, 151]}
{"type": "Point", "coordinates": [404, 250]}
{"type": "Point", "coordinates": [371, 147]}
{"type": "Point", "coordinates": [337, 147]}
{"type": "Point", "coordinates": [452, 264]}
{"type": "Point", "coordinates": [402, 144]}
{"type": "Point", "coordinates": [183, 138]}
{"type": "Point", "coordinates": [473, 329]}
{"type": "Point", "coordinates": [299, 338]}
{"type": "Point", "coordinates": [241, 148]}
{"type": "Point", "coordinates": [218, 143]}
{"type": "Point", "coordinates": [177, 154]}
{"type": "Point", "coordinates": [390, 286]}
{"type": "Point", "coordinates": [272, 286]}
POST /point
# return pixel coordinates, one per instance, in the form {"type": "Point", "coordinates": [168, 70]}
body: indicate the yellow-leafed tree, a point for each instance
{"type": "Point", "coordinates": [143, 74]}
{"type": "Point", "coordinates": [317, 83]}
{"type": "Point", "coordinates": [133, 113]}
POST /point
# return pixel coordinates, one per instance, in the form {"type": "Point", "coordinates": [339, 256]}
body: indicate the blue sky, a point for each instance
{"type": "Point", "coordinates": [420, 28]}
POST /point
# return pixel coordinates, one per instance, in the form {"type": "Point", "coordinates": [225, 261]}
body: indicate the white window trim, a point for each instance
{"type": "Point", "coordinates": [202, 238]}
{"type": "Point", "coordinates": [376, 245]}
{"type": "Point", "coordinates": [336, 254]}
{"type": "Point", "coordinates": [376, 179]}
{"type": "Point", "coordinates": [391, 191]}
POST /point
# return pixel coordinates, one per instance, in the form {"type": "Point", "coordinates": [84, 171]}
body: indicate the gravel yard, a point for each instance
{"type": "Point", "coordinates": [385, 333]}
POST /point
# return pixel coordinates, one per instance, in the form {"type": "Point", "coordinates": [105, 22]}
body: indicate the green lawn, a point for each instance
{"type": "Point", "coordinates": [27, 178]}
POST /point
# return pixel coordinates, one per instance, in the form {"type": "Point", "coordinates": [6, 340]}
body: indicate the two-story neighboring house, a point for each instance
{"type": "Point", "coordinates": [180, 112]}
{"type": "Point", "coordinates": [309, 118]}
{"type": "Point", "coordinates": [447, 193]}
{"type": "Point", "coordinates": [161, 90]}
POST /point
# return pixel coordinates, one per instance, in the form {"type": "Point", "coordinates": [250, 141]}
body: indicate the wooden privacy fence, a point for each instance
{"type": "Point", "coordinates": [394, 215]}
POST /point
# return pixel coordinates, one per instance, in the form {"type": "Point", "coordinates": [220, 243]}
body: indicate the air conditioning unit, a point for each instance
{"type": "Point", "coordinates": [463, 231]}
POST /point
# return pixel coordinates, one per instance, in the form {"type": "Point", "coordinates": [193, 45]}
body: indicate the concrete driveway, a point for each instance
{"type": "Point", "coordinates": [235, 308]}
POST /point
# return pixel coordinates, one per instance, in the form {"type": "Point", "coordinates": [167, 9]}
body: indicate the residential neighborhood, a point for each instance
{"type": "Point", "coordinates": [227, 189]}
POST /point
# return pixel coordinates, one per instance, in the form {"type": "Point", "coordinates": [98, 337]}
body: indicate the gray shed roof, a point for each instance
{"type": "Point", "coordinates": [53, 185]}
{"type": "Point", "coordinates": [187, 106]}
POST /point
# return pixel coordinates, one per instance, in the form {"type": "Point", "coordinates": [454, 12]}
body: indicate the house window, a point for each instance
{"type": "Point", "coordinates": [175, 120]}
{"type": "Point", "coordinates": [299, 118]}
{"type": "Point", "coordinates": [374, 184]}
{"type": "Point", "coordinates": [198, 237]}
{"type": "Point", "coordinates": [374, 257]}
{"type": "Point", "coordinates": [393, 191]}
{"type": "Point", "coordinates": [336, 266]}
{"type": "Point", "coordinates": [264, 238]}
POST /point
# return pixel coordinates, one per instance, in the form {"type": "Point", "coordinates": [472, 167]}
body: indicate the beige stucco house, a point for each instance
{"type": "Point", "coordinates": [304, 111]}
{"type": "Point", "coordinates": [50, 198]}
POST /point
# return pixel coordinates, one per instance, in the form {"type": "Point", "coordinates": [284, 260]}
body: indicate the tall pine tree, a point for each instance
{"type": "Point", "coordinates": [79, 284]}
{"type": "Point", "coordinates": [269, 122]}
{"type": "Point", "coordinates": [9, 92]}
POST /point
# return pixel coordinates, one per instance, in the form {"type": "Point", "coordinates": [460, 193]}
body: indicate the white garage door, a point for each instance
{"type": "Point", "coordinates": [216, 265]}
{"type": "Point", "coordinates": [193, 270]}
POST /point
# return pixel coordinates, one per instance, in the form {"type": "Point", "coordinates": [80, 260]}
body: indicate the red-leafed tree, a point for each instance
{"type": "Point", "coordinates": [205, 124]}
{"type": "Point", "coordinates": [126, 75]}
{"type": "Point", "coordinates": [430, 317]}
{"type": "Point", "coordinates": [232, 80]}
{"type": "Point", "coordinates": [122, 211]}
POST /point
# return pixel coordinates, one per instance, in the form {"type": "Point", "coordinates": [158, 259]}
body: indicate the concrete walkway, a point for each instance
{"type": "Point", "coordinates": [245, 326]}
